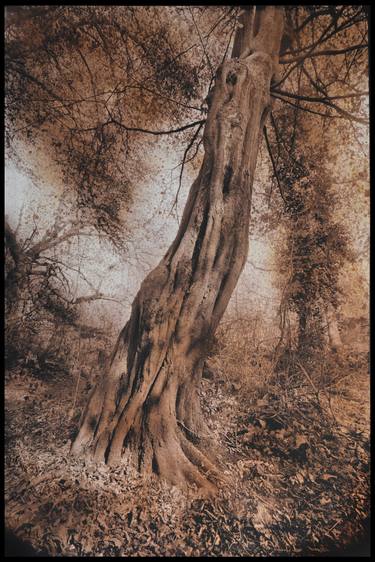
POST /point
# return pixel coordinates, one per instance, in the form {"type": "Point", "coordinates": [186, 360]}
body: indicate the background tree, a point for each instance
{"type": "Point", "coordinates": [299, 156]}
{"type": "Point", "coordinates": [39, 287]}
{"type": "Point", "coordinates": [317, 246]}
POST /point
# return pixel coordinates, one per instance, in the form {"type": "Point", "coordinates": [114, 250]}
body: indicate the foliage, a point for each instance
{"type": "Point", "coordinates": [317, 246]}
{"type": "Point", "coordinates": [84, 85]}
{"type": "Point", "coordinates": [82, 82]}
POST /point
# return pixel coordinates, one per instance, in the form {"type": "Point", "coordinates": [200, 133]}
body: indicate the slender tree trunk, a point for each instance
{"type": "Point", "coordinates": [147, 400]}
{"type": "Point", "coordinates": [302, 331]}
{"type": "Point", "coordinates": [334, 337]}
{"type": "Point", "coordinates": [284, 345]}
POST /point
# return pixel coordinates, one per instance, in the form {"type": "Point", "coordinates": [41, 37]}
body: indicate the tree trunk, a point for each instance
{"type": "Point", "coordinates": [302, 321]}
{"type": "Point", "coordinates": [147, 400]}
{"type": "Point", "coordinates": [334, 337]}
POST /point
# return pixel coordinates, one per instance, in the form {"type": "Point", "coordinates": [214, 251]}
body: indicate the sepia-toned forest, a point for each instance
{"type": "Point", "coordinates": [186, 243]}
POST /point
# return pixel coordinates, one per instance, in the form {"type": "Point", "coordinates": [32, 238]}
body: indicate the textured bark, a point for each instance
{"type": "Point", "coordinates": [147, 400]}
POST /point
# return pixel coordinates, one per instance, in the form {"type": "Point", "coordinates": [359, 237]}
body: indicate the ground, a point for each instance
{"type": "Point", "coordinates": [297, 462]}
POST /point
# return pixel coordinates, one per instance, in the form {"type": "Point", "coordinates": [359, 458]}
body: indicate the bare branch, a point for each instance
{"type": "Point", "coordinates": [324, 53]}
{"type": "Point", "coordinates": [273, 164]}
{"type": "Point", "coordinates": [158, 133]}
{"type": "Point", "coordinates": [11, 242]}
{"type": "Point", "coordinates": [201, 42]}
{"type": "Point", "coordinates": [114, 121]}
{"type": "Point", "coordinates": [50, 240]}
{"type": "Point", "coordinates": [326, 101]}
{"type": "Point", "coordinates": [308, 110]}
{"type": "Point", "coordinates": [261, 268]}
{"type": "Point", "coordinates": [95, 296]}
{"type": "Point", "coordinates": [313, 16]}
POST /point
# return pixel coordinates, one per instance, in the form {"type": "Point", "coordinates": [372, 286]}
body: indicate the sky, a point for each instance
{"type": "Point", "coordinates": [152, 224]}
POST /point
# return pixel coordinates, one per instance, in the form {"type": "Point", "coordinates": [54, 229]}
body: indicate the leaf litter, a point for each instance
{"type": "Point", "coordinates": [299, 483]}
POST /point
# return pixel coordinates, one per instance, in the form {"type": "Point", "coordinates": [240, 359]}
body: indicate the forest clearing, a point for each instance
{"type": "Point", "coordinates": [187, 281]}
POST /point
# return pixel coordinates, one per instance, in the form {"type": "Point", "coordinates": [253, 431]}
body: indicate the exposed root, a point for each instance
{"type": "Point", "coordinates": [150, 432]}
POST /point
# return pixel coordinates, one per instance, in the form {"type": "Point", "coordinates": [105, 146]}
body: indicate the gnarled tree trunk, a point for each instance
{"type": "Point", "coordinates": [147, 400]}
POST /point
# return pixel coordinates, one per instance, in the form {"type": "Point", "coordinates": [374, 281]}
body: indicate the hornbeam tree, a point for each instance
{"type": "Point", "coordinates": [317, 244]}
{"type": "Point", "coordinates": [147, 399]}
{"type": "Point", "coordinates": [88, 82]}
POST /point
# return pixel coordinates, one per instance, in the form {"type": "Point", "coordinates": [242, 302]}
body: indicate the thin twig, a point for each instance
{"type": "Point", "coordinates": [273, 164]}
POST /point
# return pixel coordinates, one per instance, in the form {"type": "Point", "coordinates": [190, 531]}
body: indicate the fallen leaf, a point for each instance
{"type": "Point", "coordinates": [300, 477]}
{"type": "Point", "coordinates": [324, 501]}
{"type": "Point", "coordinates": [328, 476]}
{"type": "Point", "coordinates": [301, 440]}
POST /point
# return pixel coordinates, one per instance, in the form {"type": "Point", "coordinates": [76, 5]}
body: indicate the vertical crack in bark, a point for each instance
{"type": "Point", "coordinates": [199, 241]}
{"type": "Point", "coordinates": [227, 179]}
{"type": "Point", "coordinates": [219, 248]}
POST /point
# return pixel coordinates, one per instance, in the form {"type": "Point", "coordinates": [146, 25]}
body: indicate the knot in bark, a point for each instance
{"type": "Point", "coordinates": [231, 78]}
{"type": "Point", "coordinates": [232, 71]}
{"type": "Point", "coordinates": [236, 119]}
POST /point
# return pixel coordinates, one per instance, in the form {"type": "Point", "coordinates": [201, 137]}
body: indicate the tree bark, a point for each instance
{"type": "Point", "coordinates": [147, 400]}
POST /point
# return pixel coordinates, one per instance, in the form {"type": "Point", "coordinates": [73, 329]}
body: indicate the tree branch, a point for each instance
{"type": "Point", "coordinates": [326, 101]}
{"type": "Point", "coordinates": [95, 296]}
{"type": "Point", "coordinates": [11, 241]}
{"type": "Point", "coordinates": [273, 164]}
{"type": "Point", "coordinates": [157, 133]}
{"type": "Point", "coordinates": [49, 242]}
{"type": "Point", "coordinates": [325, 52]}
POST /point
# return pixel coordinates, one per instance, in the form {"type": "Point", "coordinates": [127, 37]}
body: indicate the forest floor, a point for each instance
{"type": "Point", "coordinates": [297, 457]}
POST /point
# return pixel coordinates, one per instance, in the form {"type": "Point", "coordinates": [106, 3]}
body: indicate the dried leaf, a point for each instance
{"type": "Point", "coordinates": [325, 501]}
{"type": "Point", "coordinates": [327, 476]}
{"type": "Point", "coordinates": [300, 477]}
{"type": "Point", "coordinates": [301, 440]}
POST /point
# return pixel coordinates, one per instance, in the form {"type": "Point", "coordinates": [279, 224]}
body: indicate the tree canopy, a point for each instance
{"type": "Point", "coordinates": [84, 84]}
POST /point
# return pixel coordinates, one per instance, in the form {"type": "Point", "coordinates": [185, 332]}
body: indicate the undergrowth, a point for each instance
{"type": "Point", "coordinates": [295, 451]}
